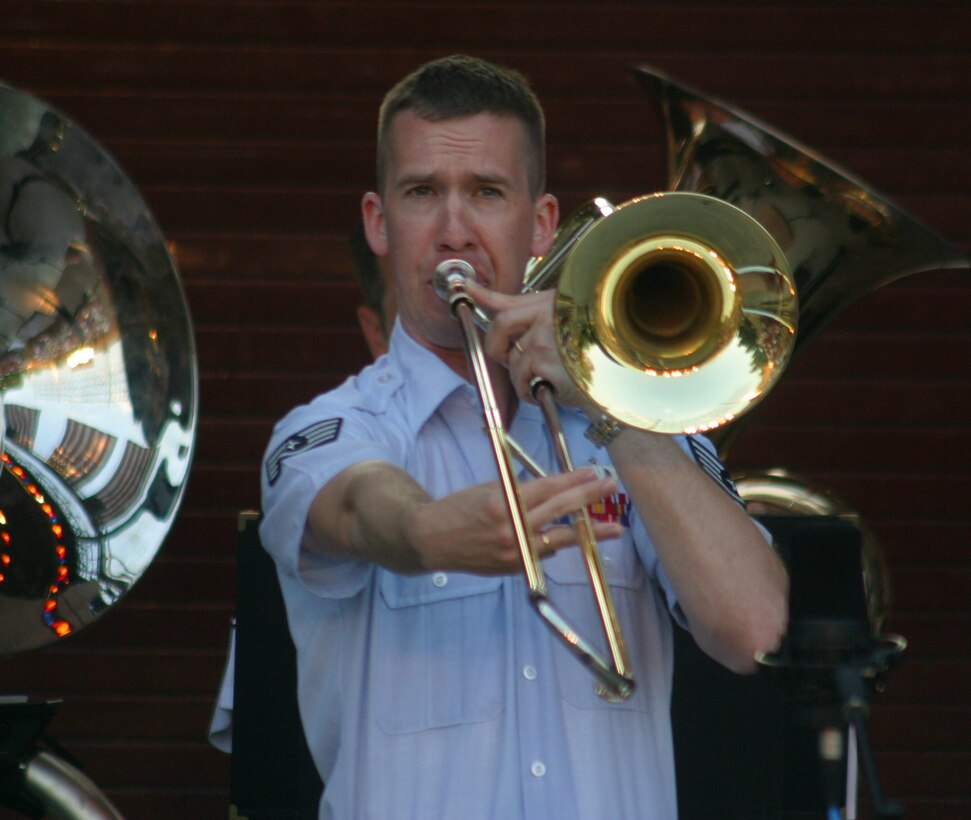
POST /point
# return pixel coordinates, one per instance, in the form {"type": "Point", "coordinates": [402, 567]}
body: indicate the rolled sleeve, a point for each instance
{"type": "Point", "coordinates": [289, 487]}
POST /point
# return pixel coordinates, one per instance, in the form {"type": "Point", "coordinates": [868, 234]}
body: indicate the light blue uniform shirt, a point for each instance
{"type": "Point", "coordinates": [444, 695]}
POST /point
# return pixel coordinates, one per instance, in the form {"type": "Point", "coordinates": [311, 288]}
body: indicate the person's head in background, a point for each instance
{"type": "Point", "coordinates": [373, 275]}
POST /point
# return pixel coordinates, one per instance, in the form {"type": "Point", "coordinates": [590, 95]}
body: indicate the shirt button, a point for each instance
{"type": "Point", "coordinates": [529, 672]}
{"type": "Point", "coordinates": [538, 768]}
{"type": "Point", "coordinates": [384, 378]}
{"type": "Point", "coordinates": [439, 579]}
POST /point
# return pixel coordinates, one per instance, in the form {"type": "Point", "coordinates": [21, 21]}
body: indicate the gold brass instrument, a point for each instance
{"type": "Point", "coordinates": [780, 492]}
{"type": "Point", "coordinates": [676, 313]}
{"type": "Point", "coordinates": [663, 329]}
{"type": "Point", "coordinates": [842, 238]}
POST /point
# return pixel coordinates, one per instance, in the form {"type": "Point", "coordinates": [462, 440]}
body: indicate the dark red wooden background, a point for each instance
{"type": "Point", "coordinates": [248, 126]}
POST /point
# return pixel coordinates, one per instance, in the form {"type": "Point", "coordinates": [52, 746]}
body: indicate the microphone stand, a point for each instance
{"type": "Point", "coordinates": [850, 683]}
{"type": "Point", "coordinates": [832, 689]}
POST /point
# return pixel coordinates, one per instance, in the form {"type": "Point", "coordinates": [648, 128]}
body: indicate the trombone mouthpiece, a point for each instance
{"type": "Point", "coordinates": [450, 275]}
{"type": "Point", "coordinates": [452, 267]}
{"type": "Point", "coordinates": [449, 282]}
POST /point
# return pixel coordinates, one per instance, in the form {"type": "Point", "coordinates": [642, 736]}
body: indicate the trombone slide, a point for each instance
{"type": "Point", "coordinates": [614, 681]}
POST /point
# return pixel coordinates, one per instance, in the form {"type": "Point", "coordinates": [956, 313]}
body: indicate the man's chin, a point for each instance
{"type": "Point", "coordinates": [446, 337]}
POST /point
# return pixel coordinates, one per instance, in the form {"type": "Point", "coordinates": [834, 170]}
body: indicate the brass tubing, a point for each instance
{"type": "Point", "coordinates": [463, 308]}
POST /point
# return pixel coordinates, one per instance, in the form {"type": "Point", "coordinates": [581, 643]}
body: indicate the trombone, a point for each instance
{"type": "Point", "coordinates": [662, 329]}
{"type": "Point", "coordinates": [614, 678]}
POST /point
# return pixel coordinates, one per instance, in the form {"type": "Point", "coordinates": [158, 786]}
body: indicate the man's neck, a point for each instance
{"type": "Point", "coordinates": [502, 388]}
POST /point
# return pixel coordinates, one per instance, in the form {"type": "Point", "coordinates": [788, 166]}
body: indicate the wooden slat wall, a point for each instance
{"type": "Point", "coordinates": [247, 125]}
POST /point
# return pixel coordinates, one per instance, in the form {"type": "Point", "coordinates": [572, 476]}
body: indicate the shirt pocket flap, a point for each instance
{"type": "Point", "coordinates": [400, 591]}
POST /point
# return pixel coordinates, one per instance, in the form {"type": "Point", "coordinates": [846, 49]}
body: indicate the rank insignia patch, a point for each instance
{"type": "Point", "coordinates": [323, 432]}
{"type": "Point", "coordinates": [714, 468]}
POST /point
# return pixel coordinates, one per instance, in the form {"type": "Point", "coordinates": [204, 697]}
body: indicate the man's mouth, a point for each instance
{"type": "Point", "coordinates": [480, 279]}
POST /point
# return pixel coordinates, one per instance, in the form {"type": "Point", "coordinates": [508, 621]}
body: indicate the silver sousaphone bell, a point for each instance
{"type": "Point", "coordinates": [98, 381]}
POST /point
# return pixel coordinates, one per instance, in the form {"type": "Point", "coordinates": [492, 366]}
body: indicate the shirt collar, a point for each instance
{"type": "Point", "coordinates": [427, 380]}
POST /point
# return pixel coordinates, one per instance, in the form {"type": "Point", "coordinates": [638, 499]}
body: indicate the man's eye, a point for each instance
{"type": "Point", "coordinates": [490, 193]}
{"type": "Point", "coordinates": [419, 191]}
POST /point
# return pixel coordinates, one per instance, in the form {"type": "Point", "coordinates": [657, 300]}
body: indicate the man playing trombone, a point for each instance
{"type": "Point", "coordinates": [427, 685]}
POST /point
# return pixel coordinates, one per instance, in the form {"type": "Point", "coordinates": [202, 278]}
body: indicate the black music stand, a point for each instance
{"type": "Point", "coordinates": [272, 776]}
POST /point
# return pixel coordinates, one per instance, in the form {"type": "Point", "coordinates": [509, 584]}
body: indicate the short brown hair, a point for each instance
{"type": "Point", "coordinates": [462, 86]}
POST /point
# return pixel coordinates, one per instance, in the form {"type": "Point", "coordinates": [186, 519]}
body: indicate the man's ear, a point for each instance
{"type": "Point", "coordinates": [375, 229]}
{"type": "Point", "coordinates": [546, 221]}
{"type": "Point", "coordinates": [370, 323]}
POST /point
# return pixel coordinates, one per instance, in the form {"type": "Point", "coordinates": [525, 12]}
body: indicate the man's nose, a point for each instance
{"type": "Point", "coordinates": [457, 230]}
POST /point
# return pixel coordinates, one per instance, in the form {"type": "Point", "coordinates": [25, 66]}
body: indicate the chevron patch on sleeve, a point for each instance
{"type": "Point", "coordinates": [717, 471]}
{"type": "Point", "coordinates": [323, 432]}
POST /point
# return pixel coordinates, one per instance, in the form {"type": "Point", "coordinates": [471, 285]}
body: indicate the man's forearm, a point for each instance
{"type": "Point", "coordinates": [730, 583]}
{"type": "Point", "coordinates": [363, 513]}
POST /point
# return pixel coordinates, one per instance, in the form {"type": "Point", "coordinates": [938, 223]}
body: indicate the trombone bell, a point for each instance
{"type": "Point", "coordinates": [664, 304]}
{"type": "Point", "coordinates": [675, 313]}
